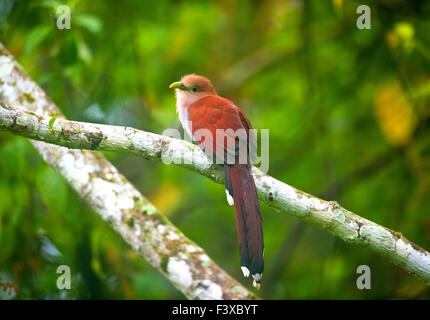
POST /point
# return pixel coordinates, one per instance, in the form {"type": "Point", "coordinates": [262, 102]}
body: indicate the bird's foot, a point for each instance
{"type": "Point", "coordinates": [257, 280]}
{"type": "Point", "coordinates": [256, 284]}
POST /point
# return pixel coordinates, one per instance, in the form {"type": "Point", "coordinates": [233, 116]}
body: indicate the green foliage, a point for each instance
{"type": "Point", "coordinates": [347, 111]}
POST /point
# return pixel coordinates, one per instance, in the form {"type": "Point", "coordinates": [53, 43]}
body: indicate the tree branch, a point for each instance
{"type": "Point", "coordinates": [114, 198]}
{"type": "Point", "coordinates": [328, 215]}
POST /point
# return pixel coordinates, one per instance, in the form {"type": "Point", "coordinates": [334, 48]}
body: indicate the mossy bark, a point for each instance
{"type": "Point", "coordinates": [108, 192]}
{"type": "Point", "coordinates": [328, 215]}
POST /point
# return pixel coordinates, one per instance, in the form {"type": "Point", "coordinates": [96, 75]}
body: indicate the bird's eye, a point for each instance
{"type": "Point", "coordinates": [194, 88]}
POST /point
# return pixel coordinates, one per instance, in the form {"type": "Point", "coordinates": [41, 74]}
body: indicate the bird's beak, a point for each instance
{"type": "Point", "coordinates": [178, 85]}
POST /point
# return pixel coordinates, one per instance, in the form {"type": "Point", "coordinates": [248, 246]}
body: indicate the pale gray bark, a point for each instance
{"type": "Point", "coordinates": [114, 198]}
{"type": "Point", "coordinates": [328, 215]}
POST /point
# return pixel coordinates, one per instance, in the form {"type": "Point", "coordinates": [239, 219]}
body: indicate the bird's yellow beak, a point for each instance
{"type": "Point", "coordinates": [178, 85]}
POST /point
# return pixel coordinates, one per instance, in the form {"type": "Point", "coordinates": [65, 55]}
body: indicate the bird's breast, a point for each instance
{"type": "Point", "coordinates": [185, 121]}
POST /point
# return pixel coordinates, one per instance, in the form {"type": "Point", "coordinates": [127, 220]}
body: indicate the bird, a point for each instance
{"type": "Point", "coordinates": [201, 109]}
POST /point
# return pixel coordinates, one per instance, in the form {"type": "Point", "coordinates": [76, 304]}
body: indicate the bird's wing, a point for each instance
{"type": "Point", "coordinates": [227, 125]}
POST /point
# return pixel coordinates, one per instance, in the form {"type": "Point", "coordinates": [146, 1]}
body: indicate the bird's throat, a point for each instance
{"type": "Point", "coordinates": [184, 100]}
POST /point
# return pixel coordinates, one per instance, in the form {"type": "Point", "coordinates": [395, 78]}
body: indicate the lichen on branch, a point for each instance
{"type": "Point", "coordinates": [328, 215]}
{"type": "Point", "coordinates": [107, 191]}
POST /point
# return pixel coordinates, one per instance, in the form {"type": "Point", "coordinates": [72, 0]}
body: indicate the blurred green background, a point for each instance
{"type": "Point", "coordinates": [347, 111]}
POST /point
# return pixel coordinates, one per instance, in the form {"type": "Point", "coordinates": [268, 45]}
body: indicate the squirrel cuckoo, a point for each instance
{"type": "Point", "coordinates": [199, 107]}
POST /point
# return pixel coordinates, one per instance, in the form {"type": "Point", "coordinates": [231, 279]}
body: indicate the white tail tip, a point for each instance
{"type": "Point", "coordinates": [245, 271]}
{"type": "Point", "coordinates": [229, 198]}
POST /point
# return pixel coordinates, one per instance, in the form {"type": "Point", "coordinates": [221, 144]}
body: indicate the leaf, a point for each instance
{"type": "Point", "coordinates": [91, 23]}
{"type": "Point", "coordinates": [52, 4]}
{"type": "Point", "coordinates": [36, 36]}
{"type": "Point", "coordinates": [51, 122]}
{"type": "Point", "coordinates": [404, 30]}
{"type": "Point", "coordinates": [167, 198]}
{"type": "Point", "coordinates": [52, 189]}
{"type": "Point", "coordinates": [395, 115]}
{"type": "Point", "coordinates": [84, 52]}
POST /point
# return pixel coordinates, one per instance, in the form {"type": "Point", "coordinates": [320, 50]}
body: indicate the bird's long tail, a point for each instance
{"type": "Point", "coordinates": [241, 187]}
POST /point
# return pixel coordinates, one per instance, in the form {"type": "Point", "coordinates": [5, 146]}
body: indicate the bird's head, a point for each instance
{"type": "Point", "coordinates": [194, 85]}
